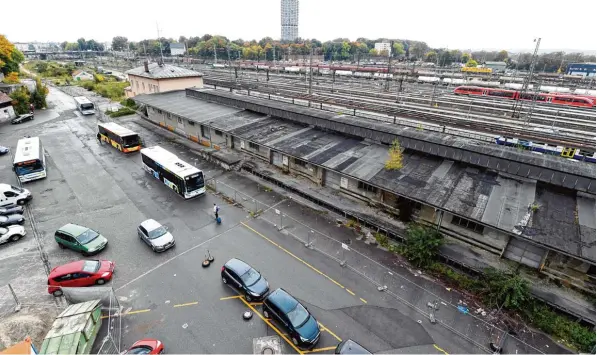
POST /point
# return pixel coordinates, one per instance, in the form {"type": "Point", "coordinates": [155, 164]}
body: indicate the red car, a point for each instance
{"type": "Point", "coordinates": [147, 346]}
{"type": "Point", "coordinates": [79, 274]}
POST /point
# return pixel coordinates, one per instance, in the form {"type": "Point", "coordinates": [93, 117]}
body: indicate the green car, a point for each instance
{"type": "Point", "coordinates": [80, 238]}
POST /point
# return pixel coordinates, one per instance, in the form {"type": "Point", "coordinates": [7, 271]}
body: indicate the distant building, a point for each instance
{"type": "Point", "coordinates": [154, 77]}
{"type": "Point", "coordinates": [584, 69]}
{"type": "Point", "coordinates": [177, 49]}
{"type": "Point", "coordinates": [383, 46]}
{"type": "Point", "coordinates": [81, 75]}
{"type": "Point", "coordinates": [497, 67]}
{"type": "Point", "coordinates": [290, 19]}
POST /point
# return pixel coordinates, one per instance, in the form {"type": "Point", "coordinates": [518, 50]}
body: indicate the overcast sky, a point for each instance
{"type": "Point", "coordinates": [505, 24]}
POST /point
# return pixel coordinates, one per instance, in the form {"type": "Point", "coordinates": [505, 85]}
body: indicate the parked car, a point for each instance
{"type": "Point", "coordinates": [350, 347]}
{"type": "Point", "coordinates": [244, 278]}
{"type": "Point", "coordinates": [22, 118]}
{"type": "Point", "coordinates": [13, 195]}
{"type": "Point", "coordinates": [302, 327]}
{"type": "Point", "coordinates": [11, 209]}
{"type": "Point", "coordinates": [12, 233]}
{"type": "Point", "coordinates": [146, 346]}
{"type": "Point", "coordinates": [4, 150]}
{"type": "Point", "coordinates": [79, 238]}
{"type": "Point", "coordinates": [11, 219]}
{"type": "Point", "coordinates": [155, 235]}
{"type": "Point", "coordinates": [79, 274]}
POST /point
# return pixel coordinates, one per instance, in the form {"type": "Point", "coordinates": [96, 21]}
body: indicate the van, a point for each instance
{"type": "Point", "coordinates": [13, 195]}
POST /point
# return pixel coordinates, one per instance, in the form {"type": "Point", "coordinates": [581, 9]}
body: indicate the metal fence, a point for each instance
{"type": "Point", "coordinates": [448, 310]}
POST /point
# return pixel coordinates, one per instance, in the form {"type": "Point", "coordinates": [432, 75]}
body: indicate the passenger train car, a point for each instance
{"type": "Point", "coordinates": [552, 149]}
{"type": "Point", "coordinates": [556, 99]}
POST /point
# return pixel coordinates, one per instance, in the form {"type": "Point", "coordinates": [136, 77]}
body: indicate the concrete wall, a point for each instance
{"type": "Point", "coordinates": [310, 171]}
{"type": "Point", "coordinates": [7, 113]}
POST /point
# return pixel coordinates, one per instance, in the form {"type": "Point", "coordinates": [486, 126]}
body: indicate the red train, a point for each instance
{"type": "Point", "coordinates": [556, 99]}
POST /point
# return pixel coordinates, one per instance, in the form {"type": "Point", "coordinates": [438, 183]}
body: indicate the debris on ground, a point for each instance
{"type": "Point", "coordinates": [34, 322]}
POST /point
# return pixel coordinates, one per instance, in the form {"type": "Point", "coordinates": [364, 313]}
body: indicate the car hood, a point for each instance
{"type": "Point", "coordinates": [310, 329]}
{"type": "Point", "coordinates": [163, 240]}
{"type": "Point", "coordinates": [260, 287]}
{"type": "Point", "coordinates": [96, 243]}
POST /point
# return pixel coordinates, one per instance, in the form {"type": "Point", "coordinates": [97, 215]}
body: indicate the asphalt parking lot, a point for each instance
{"type": "Point", "coordinates": [169, 296]}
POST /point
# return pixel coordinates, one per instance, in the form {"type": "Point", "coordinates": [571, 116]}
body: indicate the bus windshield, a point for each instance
{"type": "Point", "coordinates": [194, 182]}
{"type": "Point", "coordinates": [130, 141]}
{"type": "Point", "coordinates": [32, 167]}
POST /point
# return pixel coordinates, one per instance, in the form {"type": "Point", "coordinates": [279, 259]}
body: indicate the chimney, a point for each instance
{"type": "Point", "coordinates": [146, 65]}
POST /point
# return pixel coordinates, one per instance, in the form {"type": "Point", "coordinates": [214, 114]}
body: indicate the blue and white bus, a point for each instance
{"type": "Point", "coordinates": [84, 105]}
{"type": "Point", "coordinates": [185, 179]}
{"type": "Point", "coordinates": [29, 162]}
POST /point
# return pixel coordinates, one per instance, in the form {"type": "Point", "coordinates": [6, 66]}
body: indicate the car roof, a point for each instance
{"type": "Point", "coordinates": [238, 266]}
{"type": "Point", "coordinates": [150, 224]}
{"type": "Point", "coordinates": [283, 300]}
{"type": "Point", "coordinates": [73, 229]}
{"type": "Point", "coordinates": [75, 266]}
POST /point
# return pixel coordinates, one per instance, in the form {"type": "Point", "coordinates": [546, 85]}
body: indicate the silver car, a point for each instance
{"type": "Point", "coordinates": [155, 235]}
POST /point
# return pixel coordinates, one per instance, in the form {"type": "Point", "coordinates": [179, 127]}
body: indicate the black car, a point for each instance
{"type": "Point", "coordinates": [302, 327]}
{"type": "Point", "coordinates": [11, 209]}
{"type": "Point", "coordinates": [4, 150]}
{"type": "Point", "coordinates": [11, 219]}
{"type": "Point", "coordinates": [350, 347]}
{"type": "Point", "coordinates": [247, 280]}
{"type": "Point", "coordinates": [22, 118]}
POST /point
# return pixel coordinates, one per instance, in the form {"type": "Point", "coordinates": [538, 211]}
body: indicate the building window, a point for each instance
{"type": "Point", "coordinates": [191, 123]}
{"type": "Point", "coordinates": [367, 187]}
{"type": "Point", "coordinates": [168, 116]}
{"type": "Point", "coordinates": [137, 81]}
{"type": "Point", "coordinates": [218, 133]}
{"type": "Point", "coordinates": [301, 163]}
{"type": "Point", "coordinates": [254, 146]}
{"type": "Point", "coordinates": [204, 132]}
{"type": "Point", "coordinates": [465, 223]}
{"type": "Point", "coordinates": [160, 112]}
{"type": "Point", "coordinates": [179, 120]}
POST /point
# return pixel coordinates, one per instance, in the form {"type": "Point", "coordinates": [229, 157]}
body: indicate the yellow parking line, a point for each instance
{"type": "Point", "coordinates": [139, 311]}
{"type": "Point", "coordinates": [185, 304]}
{"type": "Point", "coordinates": [349, 291]}
{"type": "Point", "coordinates": [294, 256]}
{"type": "Point", "coordinates": [363, 300]}
{"type": "Point", "coordinates": [256, 303]}
{"type": "Point", "coordinates": [324, 328]}
{"type": "Point", "coordinates": [320, 349]}
{"type": "Point", "coordinates": [230, 298]}
{"type": "Point", "coordinates": [272, 326]}
{"type": "Point", "coordinates": [440, 349]}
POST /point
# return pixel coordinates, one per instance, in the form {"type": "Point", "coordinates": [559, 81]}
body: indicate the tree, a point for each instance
{"type": "Point", "coordinates": [82, 44]}
{"type": "Point", "coordinates": [421, 244]}
{"type": "Point", "coordinates": [11, 78]}
{"type": "Point", "coordinates": [20, 100]}
{"type": "Point", "coordinates": [10, 57]}
{"type": "Point", "coordinates": [504, 289]}
{"type": "Point", "coordinates": [182, 39]}
{"type": "Point", "coordinates": [384, 53]}
{"type": "Point", "coordinates": [471, 63]}
{"type": "Point", "coordinates": [38, 98]}
{"type": "Point", "coordinates": [373, 52]}
{"type": "Point", "coordinates": [72, 47]}
{"type": "Point", "coordinates": [394, 161]}
{"type": "Point", "coordinates": [431, 56]}
{"type": "Point", "coordinates": [119, 43]}
{"type": "Point", "coordinates": [464, 58]}
{"type": "Point", "coordinates": [398, 49]}
{"type": "Point", "coordinates": [63, 45]}
{"type": "Point", "coordinates": [502, 56]}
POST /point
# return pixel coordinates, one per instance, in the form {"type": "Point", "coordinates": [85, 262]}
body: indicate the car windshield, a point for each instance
{"type": "Point", "coordinates": [139, 350]}
{"type": "Point", "coordinates": [129, 141]}
{"type": "Point", "coordinates": [23, 169]}
{"type": "Point", "coordinates": [158, 232]}
{"type": "Point", "coordinates": [250, 277]}
{"type": "Point", "coordinates": [3, 231]}
{"type": "Point", "coordinates": [91, 265]}
{"type": "Point", "coordinates": [298, 316]}
{"type": "Point", "coordinates": [194, 182]}
{"type": "Point", "coordinates": [87, 236]}
{"type": "Point", "coordinates": [17, 189]}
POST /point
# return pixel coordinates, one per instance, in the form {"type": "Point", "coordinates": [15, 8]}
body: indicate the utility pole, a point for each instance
{"type": "Point", "coordinates": [387, 88]}
{"type": "Point", "coordinates": [229, 62]}
{"type": "Point", "coordinates": [517, 109]}
{"type": "Point", "coordinates": [160, 42]}
{"type": "Point", "coordinates": [310, 72]}
{"type": "Point", "coordinates": [215, 54]}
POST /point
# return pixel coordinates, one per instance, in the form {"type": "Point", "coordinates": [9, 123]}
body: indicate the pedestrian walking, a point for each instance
{"type": "Point", "coordinates": [216, 211]}
{"type": "Point", "coordinates": [99, 138]}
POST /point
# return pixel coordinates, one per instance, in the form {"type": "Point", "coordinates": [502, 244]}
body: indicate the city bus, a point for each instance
{"type": "Point", "coordinates": [29, 162]}
{"type": "Point", "coordinates": [119, 137]}
{"type": "Point", "coordinates": [185, 179]}
{"type": "Point", "coordinates": [84, 106]}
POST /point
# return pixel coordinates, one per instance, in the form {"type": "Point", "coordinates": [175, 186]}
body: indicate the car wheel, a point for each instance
{"type": "Point", "coordinates": [295, 341]}
{"type": "Point", "coordinates": [21, 202]}
{"type": "Point", "coordinates": [15, 237]}
{"type": "Point", "coordinates": [57, 293]}
{"type": "Point", "coordinates": [265, 313]}
{"type": "Point", "coordinates": [61, 246]}
{"type": "Point", "coordinates": [100, 281]}
{"type": "Point", "coordinates": [248, 297]}
{"type": "Point", "coordinates": [224, 280]}
{"type": "Point", "coordinates": [162, 351]}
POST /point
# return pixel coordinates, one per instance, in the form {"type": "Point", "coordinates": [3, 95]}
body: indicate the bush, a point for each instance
{"type": "Point", "coordinates": [382, 240]}
{"type": "Point", "coordinates": [123, 111]}
{"type": "Point", "coordinates": [421, 245]}
{"type": "Point", "coordinates": [505, 289]}
{"type": "Point", "coordinates": [129, 103]}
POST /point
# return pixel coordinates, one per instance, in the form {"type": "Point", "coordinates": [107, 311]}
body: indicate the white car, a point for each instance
{"type": "Point", "coordinates": [11, 233]}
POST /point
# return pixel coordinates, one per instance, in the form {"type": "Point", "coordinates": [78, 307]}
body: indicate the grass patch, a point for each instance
{"type": "Point", "coordinates": [123, 111]}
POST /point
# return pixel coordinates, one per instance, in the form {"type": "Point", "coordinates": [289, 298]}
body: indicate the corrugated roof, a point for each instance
{"type": "Point", "coordinates": [165, 71]}
{"type": "Point", "coordinates": [177, 45]}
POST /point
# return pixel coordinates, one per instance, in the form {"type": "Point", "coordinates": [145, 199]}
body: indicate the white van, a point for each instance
{"type": "Point", "coordinates": [13, 195]}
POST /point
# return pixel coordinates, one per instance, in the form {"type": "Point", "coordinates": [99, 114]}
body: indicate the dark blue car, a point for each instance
{"type": "Point", "coordinates": [3, 150]}
{"type": "Point", "coordinates": [244, 278]}
{"type": "Point", "coordinates": [302, 327]}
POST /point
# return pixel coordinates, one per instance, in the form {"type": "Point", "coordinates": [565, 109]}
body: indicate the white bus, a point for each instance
{"type": "Point", "coordinates": [84, 105]}
{"type": "Point", "coordinates": [185, 179]}
{"type": "Point", "coordinates": [29, 162]}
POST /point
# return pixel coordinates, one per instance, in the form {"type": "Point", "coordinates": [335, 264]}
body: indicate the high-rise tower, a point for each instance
{"type": "Point", "coordinates": [290, 16]}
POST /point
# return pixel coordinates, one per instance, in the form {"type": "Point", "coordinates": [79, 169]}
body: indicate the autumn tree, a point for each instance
{"type": "Point", "coordinates": [10, 56]}
{"type": "Point", "coordinates": [394, 161]}
{"type": "Point", "coordinates": [373, 52]}
{"type": "Point", "coordinates": [11, 78]}
{"type": "Point", "coordinates": [471, 63]}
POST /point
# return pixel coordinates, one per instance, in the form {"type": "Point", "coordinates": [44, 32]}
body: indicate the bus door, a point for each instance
{"type": "Point", "coordinates": [485, 92]}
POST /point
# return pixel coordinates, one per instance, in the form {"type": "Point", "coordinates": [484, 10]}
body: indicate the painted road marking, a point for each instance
{"type": "Point", "coordinates": [256, 303]}
{"type": "Point", "coordinates": [320, 349]}
{"type": "Point", "coordinates": [185, 304]}
{"type": "Point", "coordinates": [349, 291]}
{"type": "Point", "coordinates": [324, 328]}
{"type": "Point", "coordinates": [272, 326]}
{"type": "Point", "coordinates": [363, 300]}
{"type": "Point", "coordinates": [440, 349]}
{"type": "Point", "coordinates": [128, 313]}
{"type": "Point", "coordinates": [230, 298]}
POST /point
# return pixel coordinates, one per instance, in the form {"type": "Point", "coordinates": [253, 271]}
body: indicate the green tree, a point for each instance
{"type": "Point", "coordinates": [20, 100]}
{"type": "Point", "coordinates": [38, 97]}
{"type": "Point", "coordinates": [421, 244]}
{"type": "Point", "coordinates": [72, 46]}
{"type": "Point", "coordinates": [82, 44]}
{"type": "Point", "coordinates": [465, 58]}
{"type": "Point", "coordinates": [394, 161]}
{"type": "Point", "coordinates": [373, 52]}
{"type": "Point", "coordinates": [398, 49]}
{"type": "Point", "coordinates": [431, 56]}
{"type": "Point", "coordinates": [41, 67]}
{"type": "Point", "coordinates": [471, 63]}
{"type": "Point", "coordinates": [501, 56]}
